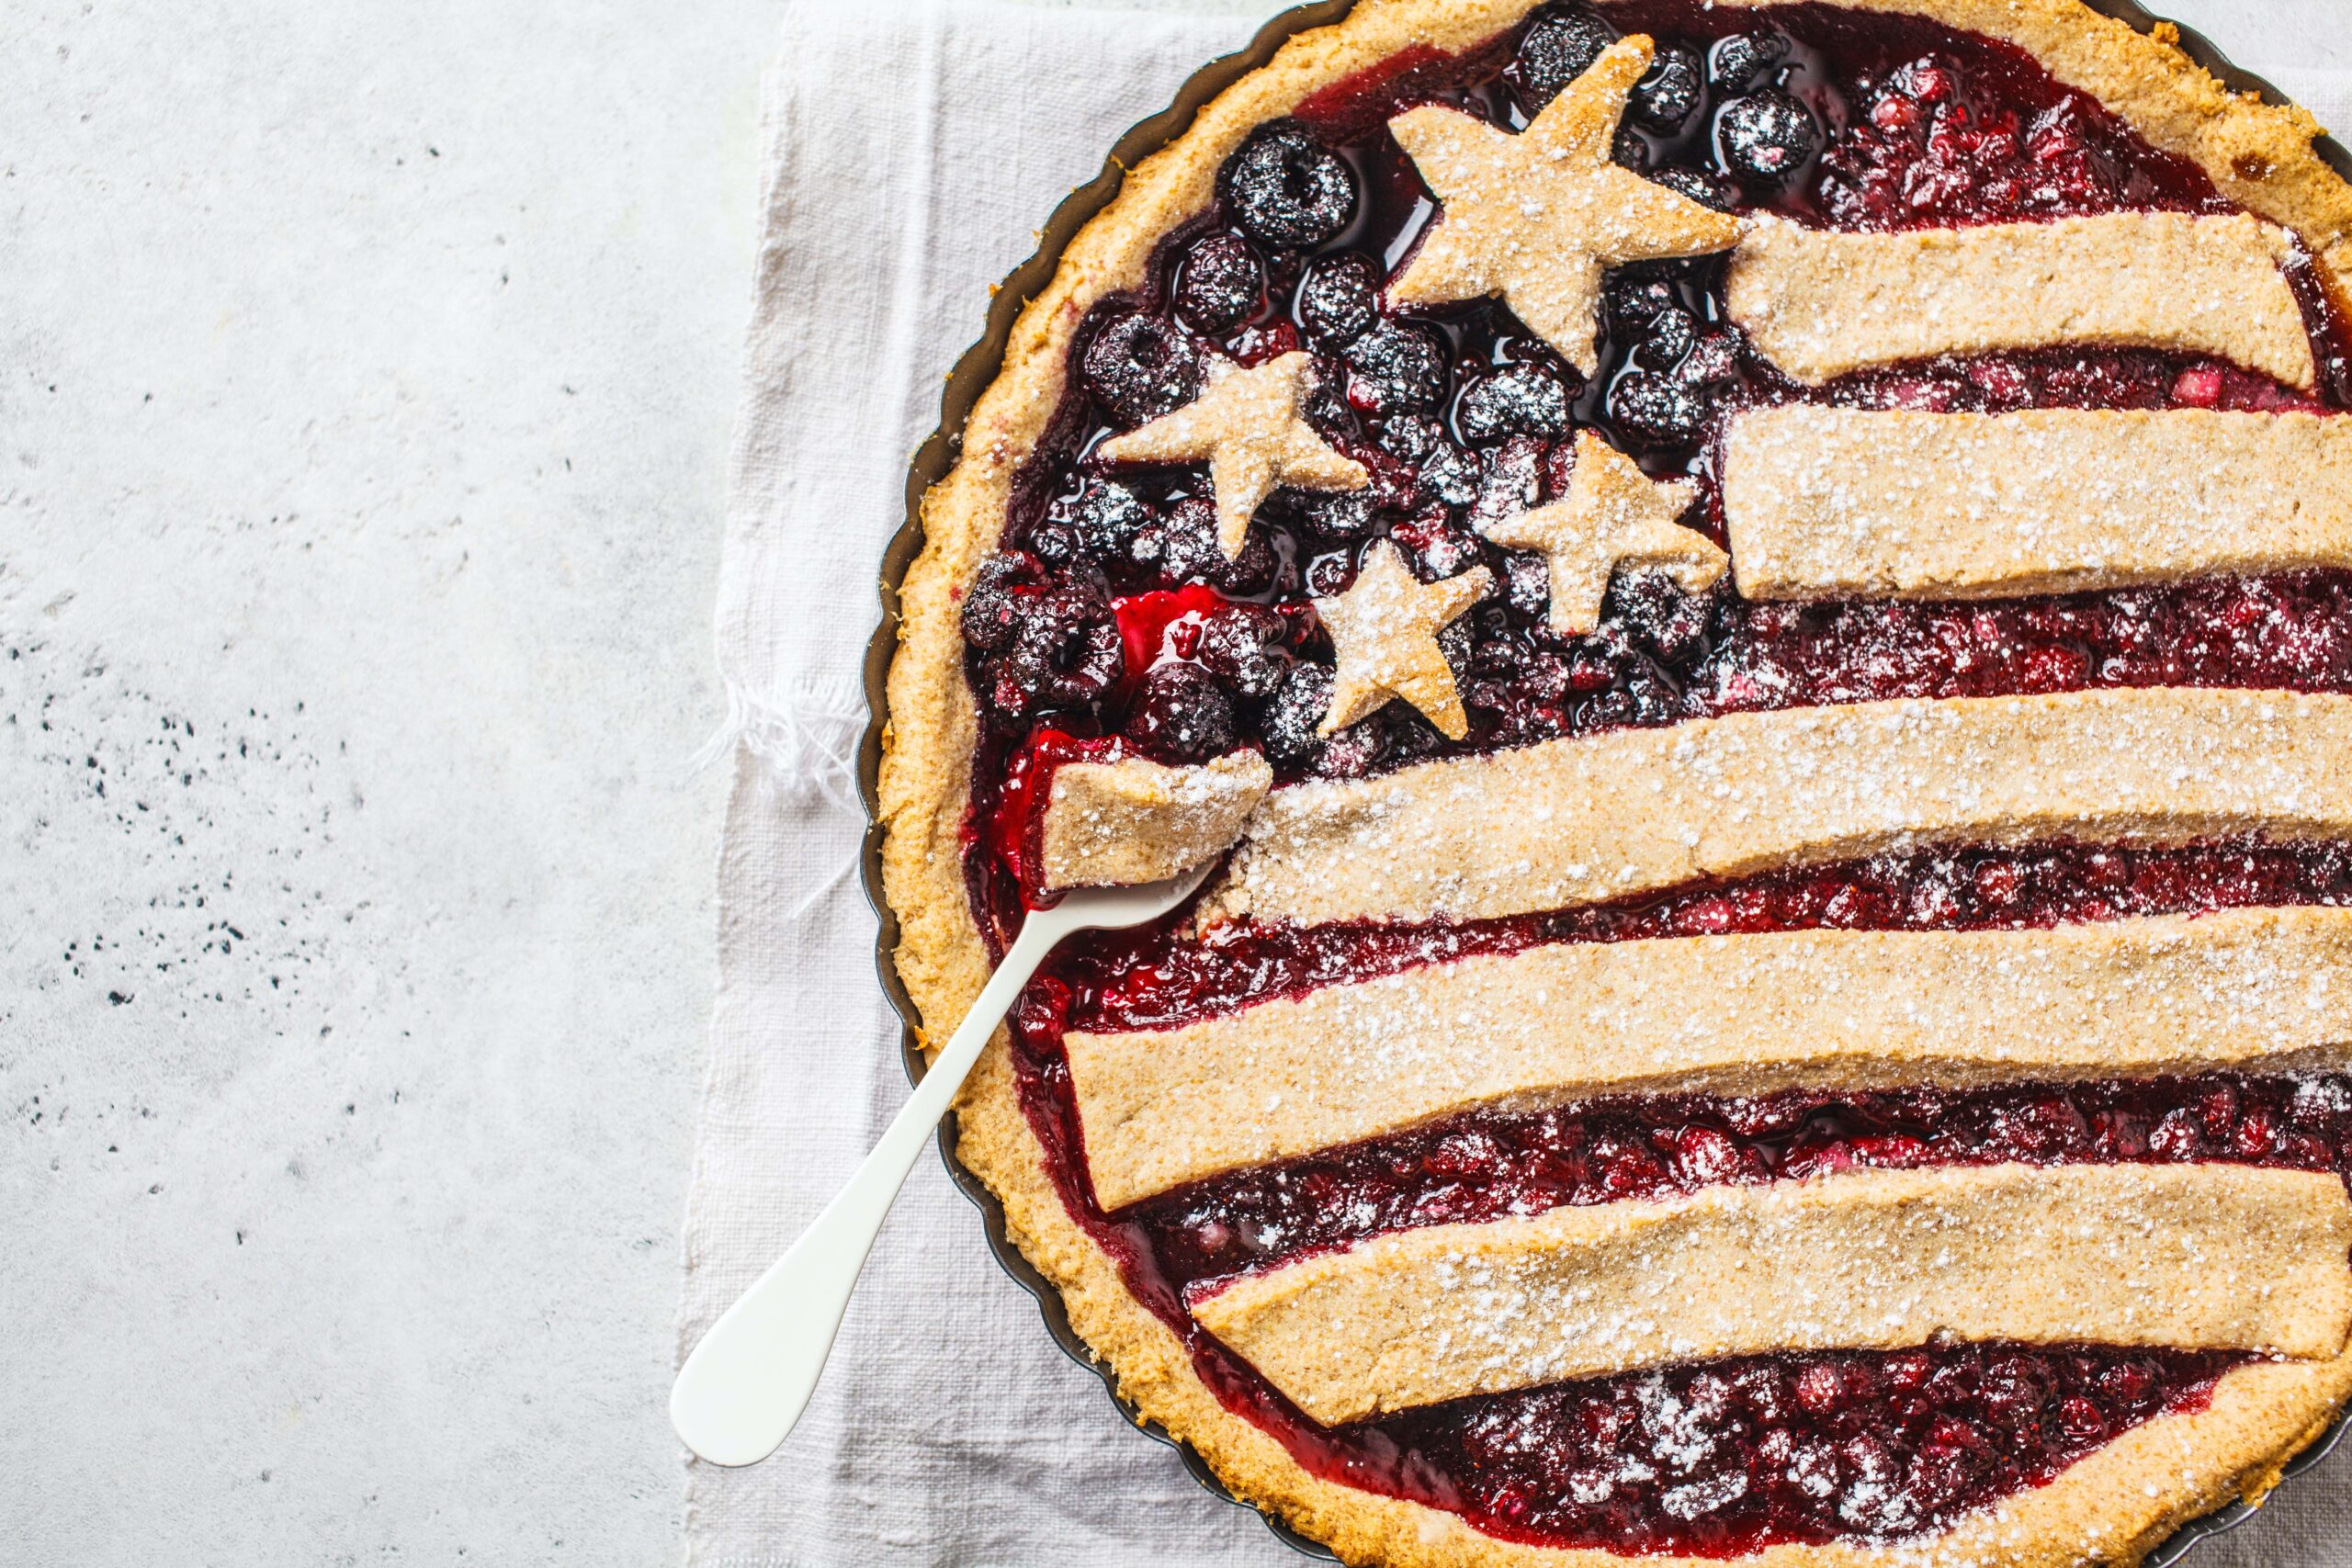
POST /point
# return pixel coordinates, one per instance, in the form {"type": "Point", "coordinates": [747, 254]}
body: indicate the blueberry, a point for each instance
{"type": "Point", "coordinates": [1633, 302]}
{"type": "Point", "coordinates": [1188, 551]}
{"type": "Point", "coordinates": [1340, 296]}
{"type": "Point", "coordinates": [1107, 517]}
{"type": "Point", "coordinates": [1736, 62]}
{"type": "Point", "coordinates": [1669, 91]}
{"type": "Point", "coordinates": [1767, 137]}
{"type": "Point", "coordinates": [1141, 367]}
{"type": "Point", "coordinates": [1559, 46]}
{"type": "Point", "coordinates": [1180, 716]}
{"type": "Point", "coordinates": [1670, 336]}
{"type": "Point", "coordinates": [1656, 410]}
{"type": "Point", "coordinates": [1242, 645]}
{"type": "Point", "coordinates": [1286, 189]}
{"type": "Point", "coordinates": [1518, 400]}
{"type": "Point", "coordinates": [1699, 186]}
{"type": "Point", "coordinates": [1395, 369]}
{"type": "Point", "coordinates": [1220, 283]}
{"type": "Point", "coordinates": [1055, 543]}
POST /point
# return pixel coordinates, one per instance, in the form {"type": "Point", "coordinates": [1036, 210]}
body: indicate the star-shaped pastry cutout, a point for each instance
{"type": "Point", "coordinates": [1384, 629]}
{"type": "Point", "coordinates": [1247, 426]}
{"type": "Point", "coordinates": [1613, 516]}
{"type": "Point", "coordinates": [1538, 216]}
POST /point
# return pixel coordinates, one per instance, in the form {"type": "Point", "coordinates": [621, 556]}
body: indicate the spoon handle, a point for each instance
{"type": "Point", "coordinates": [745, 1385]}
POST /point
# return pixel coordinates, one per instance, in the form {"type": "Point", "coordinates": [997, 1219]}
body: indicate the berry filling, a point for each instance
{"type": "Point", "coordinates": [1111, 623]}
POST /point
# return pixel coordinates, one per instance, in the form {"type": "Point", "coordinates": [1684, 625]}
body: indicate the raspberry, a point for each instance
{"type": "Point", "coordinates": [1286, 189]}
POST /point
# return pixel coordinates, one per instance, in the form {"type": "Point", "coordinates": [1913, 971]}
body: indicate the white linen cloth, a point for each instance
{"type": "Point", "coordinates": [908, 153]}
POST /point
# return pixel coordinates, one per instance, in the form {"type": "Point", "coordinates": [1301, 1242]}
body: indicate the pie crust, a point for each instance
{"type": "Point", "coordinates": [1962, 505]}
{"type": "Point", "coordinates": [2112, 1506]}
{"type": "Point", "coordinates": [1607, 815]}
{"type": "Point", "coordinates": [1820, 302]}
{"type": "Point", "coordinates": [1110, 824]}
{"type": "Point", "coordinates": [1746, 1015]}
{"type": "Point", "coordinates": [2216, 1257]}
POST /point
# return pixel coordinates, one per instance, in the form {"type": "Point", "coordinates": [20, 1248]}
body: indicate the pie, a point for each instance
{"type": "Point", "coordinates": [1753, 604]}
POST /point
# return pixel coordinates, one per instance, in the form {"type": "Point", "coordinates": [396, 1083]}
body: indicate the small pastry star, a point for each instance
{"type": "Point", "coordinates": [1248, 426]}
{"type": "Point", "coordinates": [1384, 629]}
{"type": "Point", "coordinates": [1537, 217]}
{"type": "Point", "coordinates": [1613, 516]}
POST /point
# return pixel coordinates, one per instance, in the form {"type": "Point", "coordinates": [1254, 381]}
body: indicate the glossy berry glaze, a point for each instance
{"type": "Point", "coordinates": [1112, 624]}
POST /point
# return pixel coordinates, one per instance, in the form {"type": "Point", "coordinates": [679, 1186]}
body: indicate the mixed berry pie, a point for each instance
{"type": "Point", "coordinates": [1753, 604]}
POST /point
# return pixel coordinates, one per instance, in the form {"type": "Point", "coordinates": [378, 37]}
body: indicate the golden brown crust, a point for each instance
{"type": "Point", "coordinates": [2113, 1506]}
{"type": "Point", "coordinates": [2184, 1256]}
{"type": "Point", "coordinates": [1611, 814]}
{"type": "Point", "coordinates": [1740, 1016]}
{"type": "Point", "coordinates": [1831, 502]}
{"type": "Point", "coordinates": [1821, 302]}
{"type": "Point", "coordinates": [1116, 824]}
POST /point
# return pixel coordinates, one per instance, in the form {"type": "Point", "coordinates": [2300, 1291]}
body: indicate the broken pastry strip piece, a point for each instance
{"type": "Point", "coordinates": [1592, 817]}
{"type": "Point", "coordinates": [1829, 501]}
{"type": "Point", "coordinates": [1818, 303]}
{"type": "Point", "coordinates": [1133, 820]}
{"type": "Point", "coordinates": [2261, 990]}
{"type": "Point", "coordinates": [2198, 1256]}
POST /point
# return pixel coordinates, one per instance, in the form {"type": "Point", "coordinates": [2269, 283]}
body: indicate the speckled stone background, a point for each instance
{"type": "Point", "coordinates": [365, 374]}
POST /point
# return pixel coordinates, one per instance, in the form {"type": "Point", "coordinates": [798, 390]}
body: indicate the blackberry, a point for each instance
{"type": "Point", "coordinates": [1395, 369]}
{"type": "Point", "coordinates": [1286, 189]}
{"type": "Point", "coordinates": [1242, 646]}
{"type": "Point", "coordinates": [1341, 515]}
{"type": "Point", "coordinates": [1188, 550]}
{"type": "Point", "coordinates": [1631, 302]}
{"type": "Point", "coordinates": [1655, 409]}
{"type": "Point", "coordinates": [1340, 297]}
{"type": "Point", "coordinates": [1298, 704]}
{"type": "Point", "coordinates": [1523, 399]}
{"type": "Point", "coordinates": [1141, 367]}
{"type": "Point", "coordinates": [1220, 284]}
{"type": "Point", "coordinates": [1180, 716]}
{"type": "Point", "coordinates": [993, 609]}
{"type": "Point", "coordinates": [1047, 645]}
{"type": "Point", "coordinates": [1107, 517]}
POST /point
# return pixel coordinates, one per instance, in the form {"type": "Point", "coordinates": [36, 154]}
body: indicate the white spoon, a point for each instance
{"type": "Point", "coordinates": [746, 1384]}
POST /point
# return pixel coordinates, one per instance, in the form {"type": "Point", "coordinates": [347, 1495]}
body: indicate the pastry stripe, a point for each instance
{"type": "Point", "coordinates": [2255, 989]}
{"type": "Point", "coordinates": [2202, 1257]}
{"type": "Point", "coordinates": [1830, 502]}
{"type": "Point", "coordinates": [1587, 818]}
{"type": "Point", "coordinates": [1134, 820]}
{"type": "Point", "coordinates": [1819, 303]}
